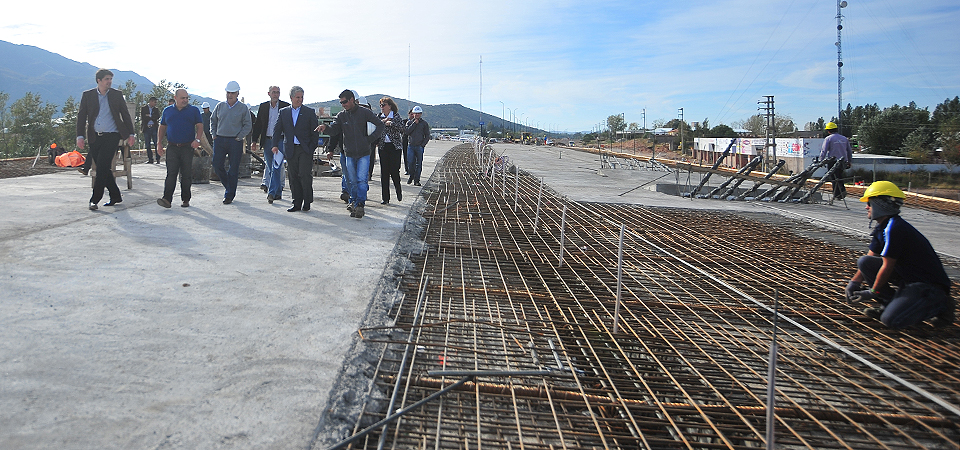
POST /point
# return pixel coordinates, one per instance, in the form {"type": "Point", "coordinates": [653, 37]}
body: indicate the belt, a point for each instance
{"type": "Point", "coordinates": [181, 145]}
{"type": "Point", "coordinates": [101, 133]}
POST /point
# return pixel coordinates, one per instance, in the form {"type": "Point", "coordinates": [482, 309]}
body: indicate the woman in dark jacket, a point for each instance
{"type": "Point", "coordinates": [390, 151]}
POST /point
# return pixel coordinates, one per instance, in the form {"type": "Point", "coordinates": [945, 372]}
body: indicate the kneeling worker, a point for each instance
{"type": "Point", "coordinates": [905, 274]}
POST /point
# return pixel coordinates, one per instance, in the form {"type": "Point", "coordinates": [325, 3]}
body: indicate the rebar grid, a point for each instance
{"type": "Point", "coordinates": [688, 366]}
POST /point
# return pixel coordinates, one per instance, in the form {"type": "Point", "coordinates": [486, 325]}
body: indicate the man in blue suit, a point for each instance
{"type": "Point", "coordinates": [298, 126]}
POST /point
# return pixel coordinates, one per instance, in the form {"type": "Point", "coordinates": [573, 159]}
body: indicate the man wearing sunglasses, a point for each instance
{"type": "Point", "coordinates": [357, 137]}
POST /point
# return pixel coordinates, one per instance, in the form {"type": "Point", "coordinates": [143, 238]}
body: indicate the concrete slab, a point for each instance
{"type": "Point", "coordinates": [213, 326]}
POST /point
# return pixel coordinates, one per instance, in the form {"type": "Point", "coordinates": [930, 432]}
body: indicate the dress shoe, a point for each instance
{"type": "Point", "coordinates": [417, 184]}
{"type": "Point", "coordinates": [227, 201]}
{"type": "Point", "coordinates": [270, 199]}
{"type": "Point", "coordinates": [112, 202]}
{"type": "Point", "coordinates": [93, 206]}
{"type": "Point", "coordinates": [163, 202]}
{"type": "Point", "coordinates": [385, 202]}
{"type": "Point", "coordinates": [409, 180]}
{"type": "Point", "coordinates": [294, 208]}
{"type": "Point", "coordinates": [83, 170]}
{"type": "Point", "coordinates": [306, 207]}
{"type": "Point", "coordinates": [185, 204]}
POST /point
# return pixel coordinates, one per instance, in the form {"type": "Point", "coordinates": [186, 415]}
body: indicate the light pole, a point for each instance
{"type": "Point", "coordinates": [681, 131]}
{"type": "Point", "coordinates": [502, 112]}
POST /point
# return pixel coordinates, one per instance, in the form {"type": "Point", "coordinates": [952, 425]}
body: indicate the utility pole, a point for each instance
{"type": "Point", "coordinates": [681, 131]}
{"type": "Point", "coordinates": [481, 95]}
{"type": "Point", "coordinates": [770, 147]}
{"type": "Point", "coordinates": [840, 4]}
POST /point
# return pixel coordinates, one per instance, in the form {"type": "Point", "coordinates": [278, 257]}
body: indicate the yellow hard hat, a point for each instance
{"type": "Point", "coordinates": [882, 188]}
{"type": "Point", "coordinates": [830, 126]}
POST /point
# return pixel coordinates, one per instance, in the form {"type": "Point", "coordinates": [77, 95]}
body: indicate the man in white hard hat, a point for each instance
{"type": "Point", "coordinates": [229, 124]}
{"type": "Point", "coordinates": [419, 132]}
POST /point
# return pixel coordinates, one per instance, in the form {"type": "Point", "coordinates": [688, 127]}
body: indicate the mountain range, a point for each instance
{"type": "Point", "coordinates": [25, 68]}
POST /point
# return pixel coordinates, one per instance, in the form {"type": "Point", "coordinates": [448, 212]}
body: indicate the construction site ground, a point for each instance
{"type": "Point", "coordinates": [245, 326]}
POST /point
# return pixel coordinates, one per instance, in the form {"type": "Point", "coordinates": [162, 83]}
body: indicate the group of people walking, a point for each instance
{"type": "Point", "coordinates": [287, 132]}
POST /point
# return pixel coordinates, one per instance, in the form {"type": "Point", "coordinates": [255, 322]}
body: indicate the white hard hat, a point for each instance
{"type": "Point", "coordinates": [361, 100]}
{"type": "Point", "coordinates": [356, 96]}
{"type": "Point", "coordinates": [233, 86]}
{"type": "Point", "coordinates": [205, 105]}
{"type": "Point", "coordinates": [417, 110]}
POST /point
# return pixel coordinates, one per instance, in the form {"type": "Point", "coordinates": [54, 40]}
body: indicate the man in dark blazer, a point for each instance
{"type": "Point", "coordinates": [298, 127]}
{"type": "Point", "coordinates": [263, 127]}
{"type": "Point", "coordinates": [149, 123]}
{"type": "Point", "coordinates": [103, 120]}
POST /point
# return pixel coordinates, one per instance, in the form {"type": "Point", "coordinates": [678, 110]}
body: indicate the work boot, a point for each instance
{"type": "Point", "coordinates": [345, 197]}
{"type": "Point", "coordinates": [873, 312]}
{"type": "Point", "coordinates": [946, 317]}
{"type": "Point", "coordinates": [351, 207]}
{"type": "Point", "coordinates": [357, 212]}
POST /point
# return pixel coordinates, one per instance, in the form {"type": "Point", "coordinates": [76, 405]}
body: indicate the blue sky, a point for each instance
{"type": "Point", "coordinates": [560, 65]}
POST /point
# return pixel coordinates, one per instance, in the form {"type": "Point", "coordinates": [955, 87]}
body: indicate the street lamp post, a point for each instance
{"type": "Point", "coordinates": [502, 112]}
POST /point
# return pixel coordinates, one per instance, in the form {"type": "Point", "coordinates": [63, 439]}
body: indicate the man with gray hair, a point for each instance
{"type": "Point", "coordinates": [296, 129]}
{"type": "Point", "coordinates": [267, 115]}
{"type": "Point", "coordinates": [230, 123]}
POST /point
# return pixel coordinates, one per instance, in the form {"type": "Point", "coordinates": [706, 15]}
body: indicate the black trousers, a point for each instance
{"type": "Point", "coordinates": [300, 173]}
{"type": "Point", "coordinates": [101, 152]}
{"type": "Point", "coordinates": [839, 191]}
{"type": "Point", "coordinates": [389, 169]}
{"type": "Point", "coordinates": [179, 162]}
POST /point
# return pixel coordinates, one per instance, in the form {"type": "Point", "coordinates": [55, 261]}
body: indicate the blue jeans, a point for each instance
{"type": "Point", "coordinates": [357, 171]}
{"type": "Point", "coordinates": [273, 177]}
{"type": "Point", "coordinates": [224, 147]}
{"type": "Point", "coordinates": [912, 304]}
{"type": "Point", "coordinates": [415, 158]}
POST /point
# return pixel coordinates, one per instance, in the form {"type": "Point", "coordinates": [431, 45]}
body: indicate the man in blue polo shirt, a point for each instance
{"type": "Point", "coordinates": [905, 274]}
{"type": "Point", "coordinates": [182, 126]}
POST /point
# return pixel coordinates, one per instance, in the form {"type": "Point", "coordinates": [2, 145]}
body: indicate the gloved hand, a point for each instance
{"type": "Point", "coordinates": [863, 296]}
{"type": "Point", "coordinates": [852, 287]}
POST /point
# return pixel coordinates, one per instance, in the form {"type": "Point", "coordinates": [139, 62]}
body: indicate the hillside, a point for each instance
{"type": "Point", "coordinates": [25, 68]}
{"type": "Point", "coordinates": [438, 116]}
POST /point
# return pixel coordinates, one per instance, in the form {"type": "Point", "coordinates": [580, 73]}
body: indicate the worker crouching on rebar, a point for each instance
{"type": "Point", "coordinates": [904, 273]}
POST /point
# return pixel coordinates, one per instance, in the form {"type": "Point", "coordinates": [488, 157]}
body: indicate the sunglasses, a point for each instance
{"type": "Point", "coordinates": [344, 102]}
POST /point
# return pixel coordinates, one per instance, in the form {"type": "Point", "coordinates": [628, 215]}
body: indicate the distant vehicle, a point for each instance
{"type": "Point", "coordinates": [493, 140]}
{"type": "Point", "coordinates": [549, 142]}
{"type": "Point", "coordinates": [572, 144]}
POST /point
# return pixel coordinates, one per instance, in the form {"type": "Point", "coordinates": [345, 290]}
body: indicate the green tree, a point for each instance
{"type": "Point", "coordinates": [884, 134]}
{"type": "Point", "coordinates": [616, 124]}
{"type": "Point", "coordinates": [4, 137]}
{"type": "Point", "coordinates": [946, 120]}
{"type": "Point", "coordinates": [66, 129]}
{"type": "Point", "coordinates": [918, 145]}
{"type": "Point", "coordinates": [32, 122]}
{"type": "Point", "coordinates": [722, 131]}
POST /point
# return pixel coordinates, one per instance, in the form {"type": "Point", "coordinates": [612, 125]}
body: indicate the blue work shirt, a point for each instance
{"type": "Point", "coordinates": [181, 123]}
{"type": "Point", "coordinates": [916, 260]}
